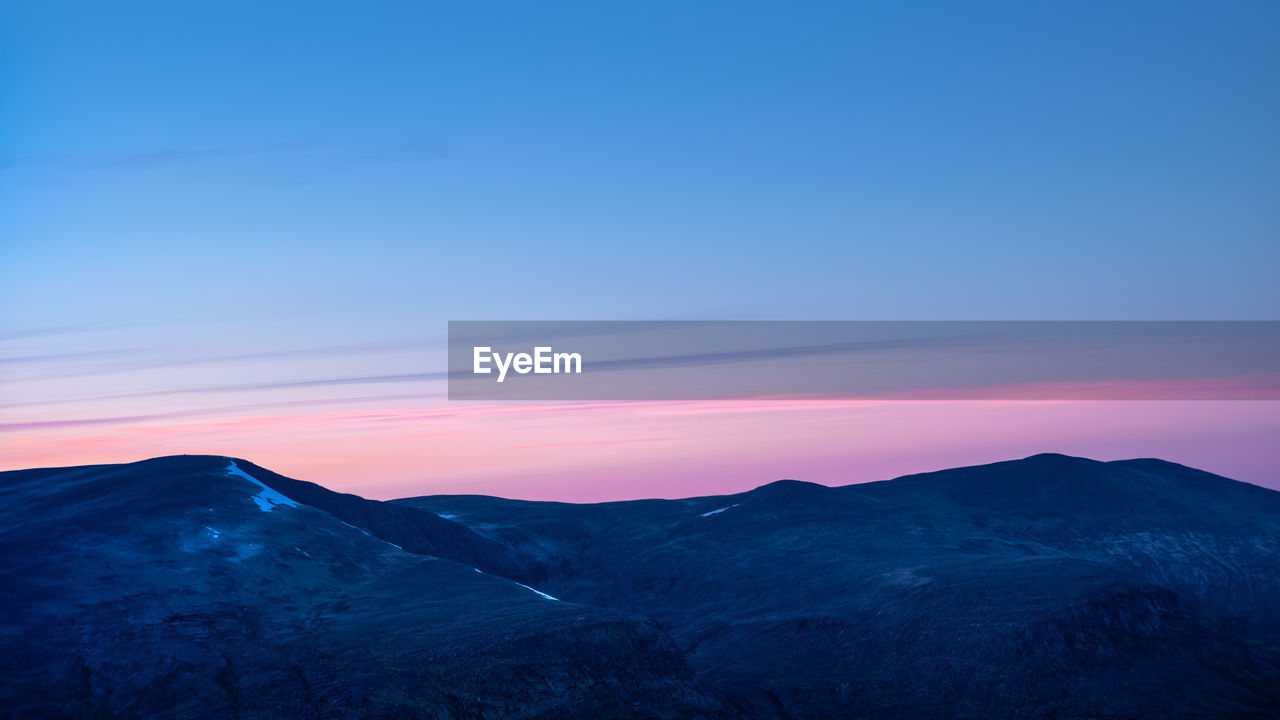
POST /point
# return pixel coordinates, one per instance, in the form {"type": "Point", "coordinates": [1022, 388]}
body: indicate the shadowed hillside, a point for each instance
{"type": "Point", "coordinates": [1047, 587]}
{"type": "Point", "coordinates": [177, 588]}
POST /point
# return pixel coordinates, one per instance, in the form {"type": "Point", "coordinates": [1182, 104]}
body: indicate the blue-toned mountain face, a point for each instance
{"type": "Point", "coordinates": [1047, 587]}
{"type": "Point", "coordinates": [183, 587]}
{"type": "Point", "coordinates": [1051, 587]}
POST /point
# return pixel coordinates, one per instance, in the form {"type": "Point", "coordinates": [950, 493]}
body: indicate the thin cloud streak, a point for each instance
{"type": "Point", "coordinates": [328, 153]}
{"type": "Point", "coordinates": [589, 443]}
{"type": "Point", "coordinates": [149, 158]}
{"type": "Point", "coordinates": [56, 357]}
{"type": "Point", "coordinates": [198, 412]}
{"type": "Point", "coordinates": [335, 351]}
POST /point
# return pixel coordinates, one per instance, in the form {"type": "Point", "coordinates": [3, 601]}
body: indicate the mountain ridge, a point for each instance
{"type": "Point", "coordinates": [1043, 458]}
{"type": "Point", "coordinates": [1049, 586]}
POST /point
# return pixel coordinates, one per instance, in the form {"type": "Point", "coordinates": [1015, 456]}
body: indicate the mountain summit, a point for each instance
{"type": "Point", "coordinates": [1053, 586]}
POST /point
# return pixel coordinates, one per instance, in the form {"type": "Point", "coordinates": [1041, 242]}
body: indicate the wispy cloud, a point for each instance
{"type": "Point", "coordinates": [50, 331]}
{"type": "Point", "coordinates": [250, 387]}
{"type": "Point", "coordinates": [149, 158]}
{"type": "Point", "coordinates": [119, 361]}
{"type": "Point", "coordinates": [26, 426]}
{"type": "Point", "coordinates": [338, 154]}
{"type": "Point", "coordinates": [58, 357]}
{"type": "Point", "coordinates": [589, 443]}
{"type": "Point", "coordinates": [780, 352]}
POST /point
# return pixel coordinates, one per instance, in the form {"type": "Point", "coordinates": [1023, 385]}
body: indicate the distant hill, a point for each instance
{"type": "Point", "coordinates": [1052, 587]}
{"type": "Point", "coordinates": [173, 588]}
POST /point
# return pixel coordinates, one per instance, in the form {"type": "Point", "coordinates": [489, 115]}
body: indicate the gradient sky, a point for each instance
{"type": "Point", "coordinates": [222, 223]}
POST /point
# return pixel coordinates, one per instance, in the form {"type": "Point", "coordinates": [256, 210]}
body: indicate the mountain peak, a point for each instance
{"type": "Point", "coordinates": [789, 489]}
{"type": "Point", "coordinates": [1053, 458]}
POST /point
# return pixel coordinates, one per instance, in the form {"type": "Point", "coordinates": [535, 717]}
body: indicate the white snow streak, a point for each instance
{"type": "Point", "coordinates": [267, 499]}
{"type": "Point", "coordinates": [366, 532]}
{"type": "Point", "coordinates": [353, 527]}
{"type": "Point", "coordinates": [526, 587]}
{"type": "Point", "coordinates": [717, 512]}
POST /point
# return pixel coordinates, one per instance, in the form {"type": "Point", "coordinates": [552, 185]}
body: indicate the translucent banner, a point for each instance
{"type": "Point", "coordinates": [943, 360]}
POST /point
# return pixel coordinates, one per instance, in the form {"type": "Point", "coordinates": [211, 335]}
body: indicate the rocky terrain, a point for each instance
{"type": "Point", "coordinates": [1050, 587]}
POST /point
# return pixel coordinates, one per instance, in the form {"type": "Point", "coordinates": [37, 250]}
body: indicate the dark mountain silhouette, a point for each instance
{"type": "Point", "coordinates": [172, 588]}
{"type": "Point", "coordinates": [1052, 587]}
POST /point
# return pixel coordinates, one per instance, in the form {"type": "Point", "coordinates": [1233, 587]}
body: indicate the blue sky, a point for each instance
{"type": "Point", "coordinates": [888, 160]}
{"type": "Point", "coordinates": [183, 182]}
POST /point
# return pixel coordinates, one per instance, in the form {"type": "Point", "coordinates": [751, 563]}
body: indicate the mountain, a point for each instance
{"type": "Point", "coordinates": [1052, 587]}
{"type": "Point", "coordinates": [1046, 587]}
{"type": "Point", "coordinates": [183, 587]}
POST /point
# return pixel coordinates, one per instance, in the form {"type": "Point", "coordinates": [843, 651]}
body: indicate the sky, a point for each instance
{"type": "Point", "coordinates": [224, 226]}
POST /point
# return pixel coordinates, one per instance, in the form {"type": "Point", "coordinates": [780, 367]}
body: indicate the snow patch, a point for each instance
{"type": "Point", "coordinates": [212, 532]}
{"type": "Point", "coordinates": [526, 587]}
{"type": "Point", "coordinates": [366, 532]}
{"type": "Point", "coordinates": [266, 499]}
{"type": "Point", "coordinates": [717, 512]}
